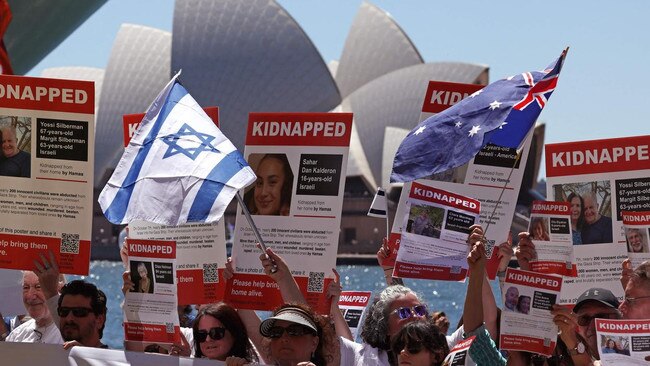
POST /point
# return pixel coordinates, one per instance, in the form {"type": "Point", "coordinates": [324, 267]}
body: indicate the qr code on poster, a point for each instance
{"type": "Point", "coordinates": [70, 243]}
{"type": "Point", "coordinates": [169, 327]}
{"type": "Point", "coordinates": [316, 282]}
{"type": "Point", "coordinates": [210, 273]}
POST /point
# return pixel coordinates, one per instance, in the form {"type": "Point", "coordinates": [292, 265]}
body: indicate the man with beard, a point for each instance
{"type": "Point", "coordinates": [82, 312]}
{"type": "Point", "coordinates": [79, 308]}
{"type": "Point", "coordinates": [41, 328]}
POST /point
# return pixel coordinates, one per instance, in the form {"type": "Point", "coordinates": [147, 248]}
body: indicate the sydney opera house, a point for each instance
{"type": "Point", "coordinates": [253, 56]}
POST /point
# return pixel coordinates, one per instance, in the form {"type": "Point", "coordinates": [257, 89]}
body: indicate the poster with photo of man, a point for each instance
{"type": "Point", "coordinates": [601, 179]}
{"type": "Point", "coordinates": [16, 137]}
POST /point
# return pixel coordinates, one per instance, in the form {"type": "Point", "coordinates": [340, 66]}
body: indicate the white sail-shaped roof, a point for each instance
{"type": "Point", "coordinates": [396, 99]}
{"type": "Point", "coordinates": [248, 56]}
{"type": "Point", "coordinates": [376, 45]}
{"type": "Point", "coordinates": [138, 69]}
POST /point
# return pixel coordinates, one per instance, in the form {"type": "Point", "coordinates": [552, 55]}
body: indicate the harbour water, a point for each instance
{"type": "Point", "coordinates": [439, 295]}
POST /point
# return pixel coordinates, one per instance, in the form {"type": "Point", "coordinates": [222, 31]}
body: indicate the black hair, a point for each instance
{"type": "Point", "coordinates": [89, 290]}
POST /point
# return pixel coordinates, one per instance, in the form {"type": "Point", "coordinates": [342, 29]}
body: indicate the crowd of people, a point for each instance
{"type": "Point", "coordinates": [398, 329]}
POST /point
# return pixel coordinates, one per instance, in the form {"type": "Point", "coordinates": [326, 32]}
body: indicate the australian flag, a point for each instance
{"type": "Point", "coordinates": [502, 113]}
{"type": "Point", "coordinates": [178, 167]}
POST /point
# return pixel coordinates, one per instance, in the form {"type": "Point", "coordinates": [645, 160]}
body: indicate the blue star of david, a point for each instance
{"type": "Point", "coordinates": [203, 143]}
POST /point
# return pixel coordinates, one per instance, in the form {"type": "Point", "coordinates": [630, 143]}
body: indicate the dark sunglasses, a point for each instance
{"type": "Point", "coordinates": [584, 320]}
{"type": "Point", "coordinates": [78, 312]}
{"type": "Point", "coordinates": [215, 333]}
{"type": "Point", "coordinates": [406, 312]}
{"type": "Point", "coordinates": [413, 347]}
{"type": "Point", "coordinates": [293, 330]}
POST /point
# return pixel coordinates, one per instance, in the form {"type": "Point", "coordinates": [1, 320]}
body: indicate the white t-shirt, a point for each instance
{"type": "Point", "coordinates": [353, 354]}
{"type": "Point", "coordinates": [27, 332]}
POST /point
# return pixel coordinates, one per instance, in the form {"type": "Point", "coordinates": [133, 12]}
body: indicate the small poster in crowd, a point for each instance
{"type": "Point", "coordinates": [526, 321]}
{"type": "Point", "coordinates": [150, 310]}
{"type": "Point", "coordinates": [623, 342]}
{"type": "Point", "coordinates": [434, 240]}
{"type": "Point", "coordinates": [459, 354]}
{"type": "Point", "coordinates": [353, 306]}
{"type": "Point", "coordinates": [550, 230]}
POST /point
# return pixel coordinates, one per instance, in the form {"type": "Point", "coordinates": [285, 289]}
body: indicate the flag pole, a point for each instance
{"type": "Point", "coordinates": [387, 223]}
{"type": "Point", "coordinates": [256, 232]}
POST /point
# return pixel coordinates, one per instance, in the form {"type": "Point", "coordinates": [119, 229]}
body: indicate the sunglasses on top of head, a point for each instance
{"type": "Point", "coordinates": [215, 333]}
{"type": "Point", "coordinates": [407, 312]}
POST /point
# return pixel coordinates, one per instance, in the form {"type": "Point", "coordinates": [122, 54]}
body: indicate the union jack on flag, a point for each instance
{"type": "Point", "coordinates": [502, 114]}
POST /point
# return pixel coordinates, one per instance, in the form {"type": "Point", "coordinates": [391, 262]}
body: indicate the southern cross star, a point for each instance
{"type": "Point", "coordinates": [476, 93]}
{"type": "Point", "coordinates": [474, 131]}
{"type": "Point", "coordinates": [494, 105]}
{"type": "Point", "coordinates": [197, 141]}
{"type": "Point", "coordinates": [419, 130]}
{"type": "Point", "coordinates": [458, 124]}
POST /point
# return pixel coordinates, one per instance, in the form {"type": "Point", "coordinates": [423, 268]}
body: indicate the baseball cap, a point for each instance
{"type": "Point", "coordinates": [291, 314]}
{"type": "Point", "coordinates": [601, 295]}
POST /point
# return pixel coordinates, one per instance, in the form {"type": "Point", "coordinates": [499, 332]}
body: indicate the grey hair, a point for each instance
{"type": "Point", "coordinates": [374, 330]}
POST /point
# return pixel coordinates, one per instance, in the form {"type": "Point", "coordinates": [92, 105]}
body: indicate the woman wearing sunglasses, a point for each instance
{"type": "Point", "coordinates": [420, 344]}
{"type": "Point", "coordinates": [294, 335]}
{"type": "Point", "coordinates": [220, 334]}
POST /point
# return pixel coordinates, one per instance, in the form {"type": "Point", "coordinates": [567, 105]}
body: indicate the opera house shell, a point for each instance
{"type": "Point", "coordinates": [252, 55]}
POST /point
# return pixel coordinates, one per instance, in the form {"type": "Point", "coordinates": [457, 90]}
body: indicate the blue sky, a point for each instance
{"type": "Point", "coordinates": [601, 92]}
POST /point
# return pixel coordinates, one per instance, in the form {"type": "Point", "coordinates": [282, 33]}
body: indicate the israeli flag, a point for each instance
{"type": "Point", "coordinates": [178, 167]}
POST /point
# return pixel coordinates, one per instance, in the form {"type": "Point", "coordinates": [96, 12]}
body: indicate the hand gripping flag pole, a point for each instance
{"type": "Point", "coordinates": [256, 232]}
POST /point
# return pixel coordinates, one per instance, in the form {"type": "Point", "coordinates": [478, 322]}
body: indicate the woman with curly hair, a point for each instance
{"type": "Point", "coordinates": [220, 334]}
{"type": "Point", "coordinates": [296, 335]}
{"type": "Point", "coordinates": [393, 308]}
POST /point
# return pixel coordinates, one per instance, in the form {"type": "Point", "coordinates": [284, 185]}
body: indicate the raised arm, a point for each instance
{"type": "Point", "coordinates": [282, 276]}
{"type": "Point", "coordinates": [334, 293]}
{"type": "Point", "coordinates": [382, 255]}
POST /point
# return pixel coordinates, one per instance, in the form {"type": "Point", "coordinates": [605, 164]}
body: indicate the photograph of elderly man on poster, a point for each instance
{"type": "Point", "coordinates": [15, 134]}
{"type": "Point", "coordinates": [596, 211]}
{"type": "Point", "coordinates": [637, 240]}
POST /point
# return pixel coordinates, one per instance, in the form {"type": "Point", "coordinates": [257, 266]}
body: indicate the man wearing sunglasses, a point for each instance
{"type": "Point", "coordinates": [82, 312]}
{"type": "Point", "coordinates": [79, 307]}
{"type": "Point", "coordinates": [595, 303]}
